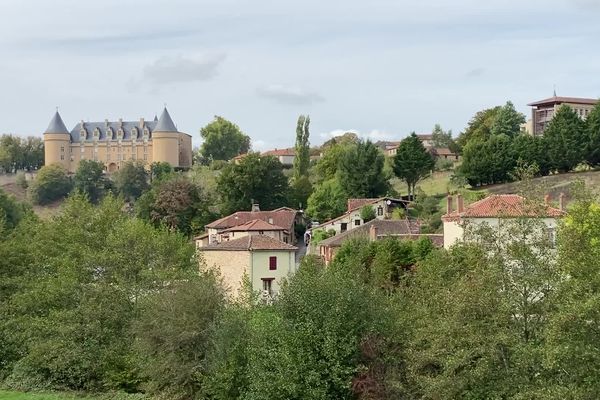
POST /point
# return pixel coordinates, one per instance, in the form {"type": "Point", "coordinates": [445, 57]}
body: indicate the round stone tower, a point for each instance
{"type": "Point", "coordinates": [165, 140]}
{"type": "Point", "coordinates": [57, 143]}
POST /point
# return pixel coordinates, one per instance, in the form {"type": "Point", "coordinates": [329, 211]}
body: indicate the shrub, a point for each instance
{"type": "Point", "coordinates": [367, 213]}
{"type": "Point", "coordinates": [51, 183]}
{"type": "Point", "coordinates": [21, 180]}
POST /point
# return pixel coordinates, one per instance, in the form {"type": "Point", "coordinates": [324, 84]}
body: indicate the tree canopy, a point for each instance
{"type": "Point", "coordinates": [565, 140]}
{"type": "Point", "coordinates": [255, 179]}
{"type": "Point", "coordinates": [131, 180]}
{"type": "Point", "coordinates": [360, 171]}
{"type": "Point", "coordinates": [412, 162]}
{"type": "Point", "coordinates": [89, 179]}
{"type": "Point", "coordinates": [223, 140]}
{"type": "Point", "coordinates": [51, 183]}
{"type": "Point", "coordinates": [302, 157]}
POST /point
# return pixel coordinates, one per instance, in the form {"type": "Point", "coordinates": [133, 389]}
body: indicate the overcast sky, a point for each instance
{"type": "Point", "coordinates": [383, 68]}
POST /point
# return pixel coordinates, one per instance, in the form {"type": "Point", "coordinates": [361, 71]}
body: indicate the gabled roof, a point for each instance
{"type": "Point", "coordinates": [56, 125]}
{"type": "Point", "coordinates": [353, 204]}
{"type": "Point", "coordinates": [505, 206]}
{"type": "Point", "coordinates": [283, 217]}
{"type": "Point", "coordinates": [165, 123]}
{"type": "Point", "coordinates": [280, 152]}
{"type": "Point", "coordinates": [255, 225]}
{"type": "Point", "coordinates": [356, 201]}
{"type": "Point", "coordinates": [251, 243]}
{"type": "Point", "coordinates": [425, 136]}
{"type": "Point", "coordinates": [559, 100]}
{"type": "Point", "coordinates": [401, 228]}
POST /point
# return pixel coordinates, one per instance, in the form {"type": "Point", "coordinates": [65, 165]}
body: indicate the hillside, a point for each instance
{"type": "Point", "coordinates": [7, 183]}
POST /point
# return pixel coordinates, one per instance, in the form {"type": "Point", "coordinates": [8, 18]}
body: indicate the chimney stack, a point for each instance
{"type": "Point", "coordinates": [460, 203]}
{"type": "Point", "coordinates": [141, 123]}
{"type": "Point", "coordinates": [547, 199]}
{"type": "Point", "coordinates": [561, 201]}
{"type": "Point", "coordinates": [373, 232]}
{"type": "Point", "coordinates": [255, 207]}
{"type": "Point", "coordinates": [449, 204]}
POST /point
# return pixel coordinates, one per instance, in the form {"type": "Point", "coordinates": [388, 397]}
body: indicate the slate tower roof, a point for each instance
{"type": "Point", "coordinates": [165, 123]}
{"type": "Point", "coordinates": [57, 125]}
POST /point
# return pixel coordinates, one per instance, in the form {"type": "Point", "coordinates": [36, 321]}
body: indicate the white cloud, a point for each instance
{"type": "Point", "coordinates": [180, 69]}
{"type": "Point", "coordinates": [289, 94]}
{"type": "Point", "coordinates": [373, 135]}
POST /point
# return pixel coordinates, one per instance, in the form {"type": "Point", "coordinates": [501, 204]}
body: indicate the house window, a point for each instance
{"type": "Point", "coordinates": [272, 263]}
{"type": "Point", "coordinates": [380, 211]}
{"type": "Point", "coordinates": [343, 227]}
{"type": "Point", "coordinates": [356, 222]}
{"type": "Point", "coordinates": [268, 285]}
{"type": "Point", "coordinates": [551, 232]}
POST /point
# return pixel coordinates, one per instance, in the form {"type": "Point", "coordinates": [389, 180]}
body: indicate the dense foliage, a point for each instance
{"type": "Point", "coordinates": [17, 153]}
{"type": "Point", "coordinates": [89, 179]}
{"type": "Point", "coordinates": [222, 140]}
{"type": "Point", "coordinates": [412, 162]}
{"type": "Point", "coordinates": [51, 183]}
{"type": "Point", "coordinates": [131, 180]}
{"type": "Point", "coordinates": [255, 179]}
{"type": "Point", "coordinates": [493, 145]}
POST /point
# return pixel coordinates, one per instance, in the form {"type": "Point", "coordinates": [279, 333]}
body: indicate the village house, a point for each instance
{"type": "Point", "coordinates": [376, 229]}
{"type": "Point", "coordinates": [382, 206]}
{"type": "Point", "coordinates": [285, 156]}
{"type": "Point", "coordinates": [493, 211]}
{"type": "Point", "coordinates": [278, 224]}
{"type": "Point", "coordinates": [264, 260]}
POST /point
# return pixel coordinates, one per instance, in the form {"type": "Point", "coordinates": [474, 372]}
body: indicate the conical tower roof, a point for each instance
{"type": "Point", "coordinates": [165, 123]}
{"type": "Point", "coordinates": [57, 125]}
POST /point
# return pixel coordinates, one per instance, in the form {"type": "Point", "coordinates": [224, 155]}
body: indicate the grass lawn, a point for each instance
{"type": "Point", "coordinates": [9, 395]}
{"type": "Point", "coordinates": [12, 395]}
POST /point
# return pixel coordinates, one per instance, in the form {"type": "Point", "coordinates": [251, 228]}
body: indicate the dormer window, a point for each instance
{"type": "Point", "coordinates": [82, 134]}
{"type": "Point", "coordinates": [120, 134]}
{"type": "Point", "coordinates": [146, 134]}
{"type": "Point", "coordinates": [134, 133]}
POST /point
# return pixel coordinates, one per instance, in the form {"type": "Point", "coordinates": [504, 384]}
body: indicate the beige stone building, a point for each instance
{"type": "Point", "coordinates": [115, 142]}
{"type": "Point", "coordinates": [264, 260]}
{"type": "Point", "coordinates": [543, 111]}
{"type": "Point", "coordinates": [496, 211]}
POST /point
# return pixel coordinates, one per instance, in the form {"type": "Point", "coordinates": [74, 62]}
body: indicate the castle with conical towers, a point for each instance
{"type": "Point", "coordinates": [115, 142]}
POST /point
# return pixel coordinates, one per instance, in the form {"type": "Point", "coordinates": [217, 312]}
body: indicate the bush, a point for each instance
{"type": "Point", "coordinates": [51, 183]}
{"type": "Point", "coordinates": [443, 165]}
{"type": "Point", "coordinates": [21, 180]}
{"type": "Point", "coordinates": [367, 213]}
{"type": "Point", "coordinates": [217, 165]}
{"type": "Point", "coordinates": [320, 234]}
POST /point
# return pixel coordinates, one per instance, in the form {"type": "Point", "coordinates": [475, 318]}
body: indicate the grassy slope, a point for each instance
{"type": "Point", "coordinates": [10, 395]}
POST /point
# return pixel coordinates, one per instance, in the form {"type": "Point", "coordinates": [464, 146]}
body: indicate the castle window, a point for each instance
{"type": "Point", "coordinates": [145, 157]}
{"type": "Point", "coordinates": [62, 157]}
{"type": "Point", "coordinates": [134, 132]}
{"type": "Point", "coordinates": [82, 134]}
{"type": "Point", "coordinates": [62, 149]}
{"type": "Point", "coordinates": [119, 133]}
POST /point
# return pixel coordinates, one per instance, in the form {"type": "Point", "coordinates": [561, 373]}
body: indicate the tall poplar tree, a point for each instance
{"type": "Point", "coordinates": [302, 159]}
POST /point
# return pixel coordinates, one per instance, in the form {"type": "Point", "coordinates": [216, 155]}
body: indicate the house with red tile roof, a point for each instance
{"type": "Point", "coordinates": [495, 209]}
{"type": "Point", "coordinates": [278, 224]}
{"type": "Point", "coordinates": [285, 156]}
{"type": "Point", "coordinates": [263, 260]}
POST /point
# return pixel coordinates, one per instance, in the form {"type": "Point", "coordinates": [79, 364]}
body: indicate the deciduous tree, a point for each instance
{"type": "Point", "coordinates": [223, 140]}
{"type": "Point", "coordinates": [131, 180]}
{"type": "Point", "coordinates": [51, 183]}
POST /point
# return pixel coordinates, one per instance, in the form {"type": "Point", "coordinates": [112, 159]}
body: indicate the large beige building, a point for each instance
{"type": "Point", "coordinates": [115, 142]}
{"type": "Point", "coordinates": [543, 111]}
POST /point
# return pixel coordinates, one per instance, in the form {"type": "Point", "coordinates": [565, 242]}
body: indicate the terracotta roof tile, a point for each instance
{"type": "Point", "coordinates": [255, 225]}
{"type": "Point", "coordinates": [505, 206]}
{"type": "Point", "coordinates": [283, 217]}
{"type": "Point", "coordinates": [353, 204]}
{"type": "Point", "coordinates": [280, 152]}
{"type": "Point", "coordinates": [250, 243]}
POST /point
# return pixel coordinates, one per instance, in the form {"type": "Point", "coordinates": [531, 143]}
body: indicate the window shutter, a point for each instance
{"type": "Point", "coordinates": [272, 263]}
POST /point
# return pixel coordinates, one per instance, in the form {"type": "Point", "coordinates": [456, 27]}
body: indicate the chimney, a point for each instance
{"type": "Point", "coordinates": [547, 199]}
{"type": "Point", "coordinates": [141, 123]}
{"type": "Point", "coordinates": [561, 201]}
{"type": "Point", "coordinates": [255, 207]}
{"type": "Point", "coordinates": [106, 123]}
{"type": "Point", "coordinates": [460, 203]}
{"type": "Point", "coordinates": [373, 232]}
{"type": "Point", "coordinates": [449, 204]}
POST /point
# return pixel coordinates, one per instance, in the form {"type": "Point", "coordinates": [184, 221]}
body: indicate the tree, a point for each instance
{"type": "Point", "coordinates": [367, 213]}
{"type": "Point", "coordinates": [11, 212]}
{"type": "Point", "coordinates": [160, 170]}
{"type": "Point", "coordinates": [441, 138]}
{"type": "Point", "coordinates": [412, 162]}
{"type": "Point", "coordinates": [327, 201]}
{"type": "Point", "coordinates": [302, 158]}
{"type": "Point", "coordinates": [89, 180]}
{"type": "Point", "coordinates": [131, 180]}
{"type": "Point", "coordinates": [50, 184]}
{"type": "Point", "coordinates": [328, 165]}
{"type": "Point", "coordinates": [508, 121]}
{"type": "Point", "coordinates": [479, 127]}
{"type": "Point", "coordinates": [573, 350]}
{"type": "Point", "coordinates": [223, 140]}
{"type": "Point", "coordinates": [489, 161]}
{"type": "Point", "coordinates": [530, 150]}
{"type": "Point", "coordinates": [300, 191]}
{"type": "Point", "coordinates": [565, 140]}
{"type": "Point", "coordinates": [360, 171]}
{"type": "Point", "coordinates": [593, 136]}
{"type": "Point", "coordinates": [177, 204]}
{"type": "Point", "coordinates": [256, 179]}
{"type": "Point", "coordinates": [76, 293]}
